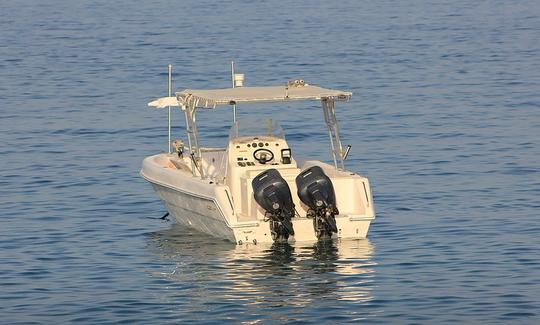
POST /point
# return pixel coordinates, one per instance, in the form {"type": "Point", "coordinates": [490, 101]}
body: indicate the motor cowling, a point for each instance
{"type": "Point", "coordinates": [273, 194]}
{"type": "Point", "coordinates": [315, 189]}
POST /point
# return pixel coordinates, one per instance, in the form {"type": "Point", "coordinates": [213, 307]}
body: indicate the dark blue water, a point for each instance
{"type": "Point", "coordinates": [445, 121]}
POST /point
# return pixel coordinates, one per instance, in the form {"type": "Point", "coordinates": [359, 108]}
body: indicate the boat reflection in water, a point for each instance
{"type": "Point", "coordinates": [312, 275]}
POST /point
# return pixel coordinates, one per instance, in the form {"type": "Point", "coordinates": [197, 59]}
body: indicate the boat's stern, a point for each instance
{"type": "Point", "coordinates": [352, 211]}
{"type": "Point", "coordinates": [254, 202]}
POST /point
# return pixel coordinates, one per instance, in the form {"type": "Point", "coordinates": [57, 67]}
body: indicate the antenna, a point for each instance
{"type": "Point", "coordinates": [235, 124]}
{"type": "Point", "coordinates": [233, 85]}
{"type": "Point", "coordinates": [170, 94]}
{"type": "Point", "coordinates": [232, 73]}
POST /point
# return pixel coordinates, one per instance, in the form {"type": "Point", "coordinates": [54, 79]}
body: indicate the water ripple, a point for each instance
{"type": "Point", "coordinates": [444, 120]}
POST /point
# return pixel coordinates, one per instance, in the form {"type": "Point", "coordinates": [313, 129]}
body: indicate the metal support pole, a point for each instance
{"type": "Point", "coordinates": [170, 94]}
{"type": "Point", "coordinates": [187, 109]}
{"type": "Point", "coordinates": [324, 102]}
{"type": "Point", "coordinates": [336, 133]}
{"type": "Point", "coordinates": [196, 139]}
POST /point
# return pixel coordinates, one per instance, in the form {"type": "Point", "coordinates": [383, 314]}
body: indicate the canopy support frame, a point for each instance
{"type": "Point", "coordinates": [189, 105]}
{"type": "Point", "coordinates": [330, 120]}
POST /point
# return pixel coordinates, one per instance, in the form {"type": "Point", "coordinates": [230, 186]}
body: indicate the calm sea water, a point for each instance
{"type": "Point", "coordinates": [445, 121]}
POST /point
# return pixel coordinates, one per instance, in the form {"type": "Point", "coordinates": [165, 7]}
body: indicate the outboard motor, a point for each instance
{"type": "Point", "coordinates": [273, 194]}
{"type": "Point", "coordinates": [315, 189]}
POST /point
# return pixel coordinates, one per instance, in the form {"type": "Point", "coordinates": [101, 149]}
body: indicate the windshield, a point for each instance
{"type": "Point", "coordinates": [254, 127]}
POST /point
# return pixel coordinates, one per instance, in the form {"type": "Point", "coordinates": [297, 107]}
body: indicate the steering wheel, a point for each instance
{"type": "Point", "coordinates": [263, 155]}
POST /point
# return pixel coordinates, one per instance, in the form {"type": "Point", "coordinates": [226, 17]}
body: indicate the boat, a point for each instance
{"type": "Point", "coordinates": [256, 189]}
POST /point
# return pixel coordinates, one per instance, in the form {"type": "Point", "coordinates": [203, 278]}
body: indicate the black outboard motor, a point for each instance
{"type": "Point", "coordinates": [315, 189]}
{"type": "Point", "coordinates": [273, 194]}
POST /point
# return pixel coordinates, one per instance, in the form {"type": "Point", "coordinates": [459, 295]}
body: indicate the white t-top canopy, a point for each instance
{"type": "Point", "coordinates": [214, 97]}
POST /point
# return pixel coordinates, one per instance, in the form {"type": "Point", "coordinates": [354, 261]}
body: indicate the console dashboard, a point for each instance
{"type": "Point", "coordinates": [259, 151]}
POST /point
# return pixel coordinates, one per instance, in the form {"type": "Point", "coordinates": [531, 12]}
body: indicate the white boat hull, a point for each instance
{"type": "Point", "coordinates": [194, 211]}
{"type": "Point", "coordinates": [209, 207]}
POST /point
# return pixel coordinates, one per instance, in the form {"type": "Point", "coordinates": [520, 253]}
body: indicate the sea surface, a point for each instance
{"type": "Point", "coordinates": [444, 120]}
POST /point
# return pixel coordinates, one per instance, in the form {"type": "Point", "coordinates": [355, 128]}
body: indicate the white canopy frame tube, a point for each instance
{"type": "Point", "coordinates": [187, 118]}
{"type": "Point", "coordinates": [198, 156]}
{"type": "Point", "coordinates": [190, 109]}
{"type": "Point", "coordinates": [330, 120]}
